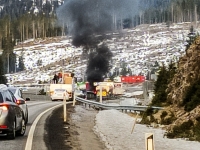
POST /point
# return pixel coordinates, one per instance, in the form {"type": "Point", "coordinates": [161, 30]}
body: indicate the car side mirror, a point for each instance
{"type": "Point", "coordinates": [28, 99]}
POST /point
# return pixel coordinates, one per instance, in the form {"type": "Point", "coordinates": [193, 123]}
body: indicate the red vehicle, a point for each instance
{"type": "Point", "coordinates": [132, 79]}
{"type": "Point", "coordinates": [90, 91]}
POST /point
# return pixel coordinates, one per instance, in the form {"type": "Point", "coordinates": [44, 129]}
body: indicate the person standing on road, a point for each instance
{"type": "Point", "coordinates": [55, 79]}
{"type": "Point", "coordinates": [74, 81]}
{"type": "Point", "coordinates": [60, 77]}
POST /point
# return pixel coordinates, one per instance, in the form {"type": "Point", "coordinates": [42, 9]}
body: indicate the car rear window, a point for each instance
{"type": "Point", "coordinates": [12, 90]}
{"type": "Point", "coordinates": [1, 98]}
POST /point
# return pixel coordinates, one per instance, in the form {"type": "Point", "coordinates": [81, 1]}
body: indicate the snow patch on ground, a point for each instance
{"type": "Point", "coordinates": [114, 128]}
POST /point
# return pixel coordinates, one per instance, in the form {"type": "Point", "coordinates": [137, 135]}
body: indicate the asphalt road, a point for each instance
{"type": "Point", "coordinates": [37, 143]}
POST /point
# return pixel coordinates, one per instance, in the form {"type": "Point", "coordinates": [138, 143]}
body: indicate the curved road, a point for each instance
{"type": "Point", "coordinates": [36, 112]}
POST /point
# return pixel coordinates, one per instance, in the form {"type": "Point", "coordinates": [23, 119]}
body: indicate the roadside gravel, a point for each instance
{"type": "Point", "coordinates": [76, 134]}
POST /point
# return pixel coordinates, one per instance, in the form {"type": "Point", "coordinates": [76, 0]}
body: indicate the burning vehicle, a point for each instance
{"type": "Point", "coordinates": [88, 27]}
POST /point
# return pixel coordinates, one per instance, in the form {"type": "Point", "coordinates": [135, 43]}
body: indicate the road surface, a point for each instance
{"type": "Point", "coordinates": [20, 142]}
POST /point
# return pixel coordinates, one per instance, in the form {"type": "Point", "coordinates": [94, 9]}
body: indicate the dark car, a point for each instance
{"type": "Point", "coordinates": [91, 95]}
{"type": "Point", "coordinates": [17, 92]}
{"type": "Point", "coordinates": [12, 119]}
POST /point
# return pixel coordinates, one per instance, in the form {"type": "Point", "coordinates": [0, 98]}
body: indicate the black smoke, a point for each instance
{"type": "Point", "coordinates": [86, 18]}
{"type": "Point", "coordinates": [98, 64]}
{"type": "Point", "coordinates": [87, 22]}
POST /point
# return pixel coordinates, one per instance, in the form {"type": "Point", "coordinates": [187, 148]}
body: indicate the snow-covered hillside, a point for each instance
{"type": "Point", "coordinates": [139, 47]}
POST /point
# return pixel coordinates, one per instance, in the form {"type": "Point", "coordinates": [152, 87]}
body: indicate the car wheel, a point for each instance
{"type": "Point", "coordinates": [11, 135]}
{"type": "Point", "coordinates": [22, 130]}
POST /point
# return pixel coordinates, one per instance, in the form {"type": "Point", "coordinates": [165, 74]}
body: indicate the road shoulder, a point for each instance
{"type": "Point", "coordinates": [77, 133]}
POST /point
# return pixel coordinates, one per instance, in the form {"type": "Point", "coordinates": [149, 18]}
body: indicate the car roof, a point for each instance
{"type": "Point", "coordinates": [12, 87]}
{"type": "Point", "coordinates": [3, 87]}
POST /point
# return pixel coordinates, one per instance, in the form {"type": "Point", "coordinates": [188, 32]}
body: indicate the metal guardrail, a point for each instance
{"type": "Point", "coordinates": [104, 106]}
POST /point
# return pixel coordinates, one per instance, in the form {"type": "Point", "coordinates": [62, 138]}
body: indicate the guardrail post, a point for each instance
{"type": "Point", "coordinates": [149, 141]}
{"type": "Point", "coordinates": [65, 108]}
{"type": "Point", "coordinates": [100, 94]}
{"type": "Point", "coordinates": [134, 123]}
{"type": "Point", "coordinates": [74, 98]}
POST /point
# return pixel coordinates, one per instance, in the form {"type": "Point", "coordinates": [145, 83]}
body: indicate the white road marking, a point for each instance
{"type": "Point", "coordinates": [32, 129]}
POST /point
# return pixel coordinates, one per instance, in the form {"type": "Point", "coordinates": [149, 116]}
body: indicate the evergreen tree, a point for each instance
{"type": "Point", "coordinates": [160, 87]}
{"type": "Point", "coordinates": [8, 55]}
{"type": "Point", "coordinates": [192, 96]}
{"type": "Point", "coordinates": [3, 79]}
{"type": "Point", "coordinates": [191, 37]}
{"type": "Point", "coordinates": [164, 78]}
{"type": "Point", "coordinates": [171, 71]}
{"type": "Point", "coordinates": [21, 64]}
{"type": "Point", "coordinates": [125, 70]}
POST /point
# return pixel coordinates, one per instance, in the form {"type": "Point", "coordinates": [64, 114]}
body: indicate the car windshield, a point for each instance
{"type": "Point", "coordinates": [59, 90]}
{"type": "Point", "coordinates": [1, 98]}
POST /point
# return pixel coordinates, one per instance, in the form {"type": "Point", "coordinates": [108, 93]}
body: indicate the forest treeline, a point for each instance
{"type": "Point", "coordinates": [19, 21]}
